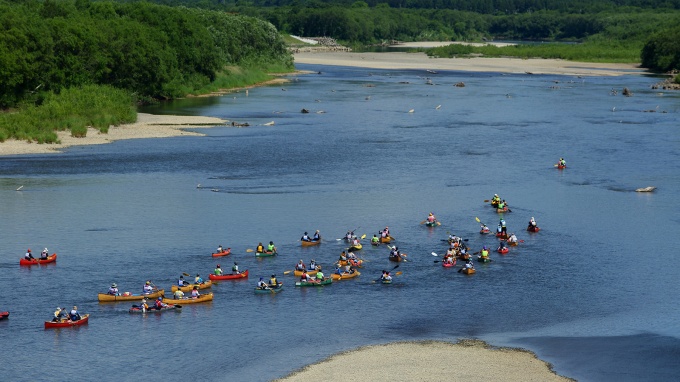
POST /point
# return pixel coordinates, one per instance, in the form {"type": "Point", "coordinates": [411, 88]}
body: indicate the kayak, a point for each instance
{"type": "Point", "coordinates": [297, 273]}
{"type": "Point", "coordinates": [271, 290]}
{"type": "Point", "coordinates": [4, 315]}
{"type": "Point", "coordinates": [501, 210]}
{"type": "Point", "coordinates": [105, 297]}
{"type": "Point", "coordinates": [265, 254]}
{"type": "Point", "coordinates": [138, 309]}
{"type": "Point", "coordinates": [190, 300]}
{"type": "Point", "coordinates": [50, 259]}
{"type": "Point", "coordinates": [503, 250]}
{"type": "Point", "coordinates": [532, 228]}
{"type": "Point", "coordinates": [238, 276]}
{"type": "Point", "coordinates": [226, 252]}
{"type": "Point", "coordinates": [386, 240]}
{"type": "Point", "coordinates": [310, 243]}
{"type": "Point", "coordinates": [190, 287]}
{"type": "Point", "coordinates": [449, 265]}
{"type": "Point", "coordinates": [483, 259]}
{"type": "Point", "coordinates": [468, 271]}
{"type": "Point", "coordinates": [433, 224]}
{"type": "Point", "coordinates": [345, 275]}
{"type": "Point", "coordinates": [355, 247]}
{"type": "Point", "coordinates": [326, 281]}
{"type": "Point", "coordinates": [67, 323]}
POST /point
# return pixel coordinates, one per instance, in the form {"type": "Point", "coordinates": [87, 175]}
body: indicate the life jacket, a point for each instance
{"type": "Point", "coordinates": [158, 304]}
{"type": "Point", "coordinates": [485, 253]}
{"type": "Point", "coordinates": [194, 293]}
{"type": "Point", "coordinates": [270, 247]}
{"type": "Point", "coordinates": [273, 281]}
{"type": "Point", "coordinates": [259, 249]}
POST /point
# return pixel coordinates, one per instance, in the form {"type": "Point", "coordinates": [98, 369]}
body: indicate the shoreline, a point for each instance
{"type": "Point", "coordinates": [430, 361]}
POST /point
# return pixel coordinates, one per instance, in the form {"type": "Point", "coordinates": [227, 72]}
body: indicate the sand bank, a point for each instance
{"type": "Point", "coordinates": [402, 60]}
{"type": "Point", "coordinates": [147, 126]}
{"type": "Point", "coordinates": [467, 360]}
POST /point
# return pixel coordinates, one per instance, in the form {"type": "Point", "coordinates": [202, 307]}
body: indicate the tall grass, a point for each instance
{"type": "Point", "coordinates": [238, 77]}
{"type": "Point", "coordinates": [73, 109]}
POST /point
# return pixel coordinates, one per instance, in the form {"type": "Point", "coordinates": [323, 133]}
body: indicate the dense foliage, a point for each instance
{"type": "Point", "coordinates": [662, 51]}
{"type": "Point", "coordinates": [152, 50]}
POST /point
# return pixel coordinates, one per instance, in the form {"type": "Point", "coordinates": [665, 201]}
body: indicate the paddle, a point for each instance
{"type": "Point", "coordinates": [250, 250]}
{"type": "Point", "coordinates": [422, 222]}
{"type": "Point", "coordinates": [486, 201]}
{"type": "Point", "coordinates": [286, 272]}
{"type": "Point", "coordinates": [185, 274]}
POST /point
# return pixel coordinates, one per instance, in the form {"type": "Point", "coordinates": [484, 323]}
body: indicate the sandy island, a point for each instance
{"type": "Point", "coordinates": [467, 360]}
{"type": "Point", "coordinates": [152, 126]}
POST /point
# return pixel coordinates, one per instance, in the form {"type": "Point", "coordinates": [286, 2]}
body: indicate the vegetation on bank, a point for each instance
{"type": "Point", "coordinates": [54, 52]}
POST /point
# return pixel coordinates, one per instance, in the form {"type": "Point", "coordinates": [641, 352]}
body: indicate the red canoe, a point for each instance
{"type": "Point", "coordinates": [449, 265]}
{"type": "Point", "coordinates": [4, 315]}
{"type": "Point", "coordinates": [533, 228]}
{"type": "Point", "coordinates": [226, 252]}
{"type": "Point", "coordinates": [502, 235]}
{"type": "Point", "coordinates": [49, 259]}
{"type": "Point", "coordinates": [67, 323]}
{"type": "Point", "coordinates": [503, 250]}
{"type": "Point", "coordinates": [241, 275]}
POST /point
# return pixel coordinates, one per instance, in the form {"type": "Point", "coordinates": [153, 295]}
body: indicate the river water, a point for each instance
{"type": "Point", "coordinates": [595, 293]}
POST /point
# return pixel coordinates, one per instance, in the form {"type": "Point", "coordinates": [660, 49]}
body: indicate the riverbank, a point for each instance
{"type": "Point", "coordinates": [467, 360]}
{"type": "Point", "coordinates": [147, 126]}
{"type": "Point", "coordinates": [403, 60]}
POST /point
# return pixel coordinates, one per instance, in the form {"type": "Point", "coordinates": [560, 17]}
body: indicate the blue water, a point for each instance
{"type": "Point", "coordinates": [594, 293]}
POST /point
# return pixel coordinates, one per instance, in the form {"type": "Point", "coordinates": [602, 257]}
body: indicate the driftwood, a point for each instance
{"type": "Point", "coordinates": [646, 189]}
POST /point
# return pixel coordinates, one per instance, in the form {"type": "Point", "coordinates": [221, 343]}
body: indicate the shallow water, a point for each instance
{"type": "Point", "coordinates": [596, 286]}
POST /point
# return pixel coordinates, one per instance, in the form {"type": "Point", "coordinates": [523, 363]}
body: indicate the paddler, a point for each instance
{"type": "Point", "coordinates": [375, 240]}
{"type": "Point", "coordinates": [273, 282]}
{"type": "Point", "coordinates": [147, 288]}
{"type": "Point", "coordinates": [218, 270]}
{"type": "Point", "coordinates": [234, 269]}
{"type": "Point", "coordinates": [195, 293]}
{"type": "Point", "coordinates": [484, 253]}
{"type": "Point", "coordinates": [271, 248]}
{"type": "Point", "coordinates": [113, 290]}
{"type": "Point", "coordinates": [305, 237]}
{"type": "Point", "coordinates": [562, 162]}
{"type": "Point", "coordinates": [261, 284]}
{"type": "Point", "coordinates": [300, 266]}
{"type": "Point", "coordinates": [431, 218]}
{"type": "Point", "coordinates": [28, 255]}
{"type": "Point", "coordinates": [317, 236]}
{"type": "Point", "coordinates": [198, 279]}
{"type": "Point", "coordinates": [260, 248]}
{"type": "Point", "coordinates": [58, 314]}
{"type": "Point", "coordinates": [532, 223]}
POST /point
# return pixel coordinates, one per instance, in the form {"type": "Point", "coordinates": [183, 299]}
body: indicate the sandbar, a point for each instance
{"type": "Point", "coordinates": [467, 360]}
{"type": "Point", "coordinates": [419, 60]}
{"type": "Point", "coordinates": [147, 126]}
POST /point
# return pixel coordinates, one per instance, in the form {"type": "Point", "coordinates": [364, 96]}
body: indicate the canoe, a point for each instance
{"type": "Point", "coordinates": [465, 256]}
{"type": "Point", "coordinates": [265, 254]}
{"type": "Point", "coordinates": [485, 231]}
{"type": "Point", "coordinates": [396, 258]}
{"type": "Point", "coordinates": [503, 250]}
{"type": "Point", "coordinates": [271, 290]}
{"type": "Point", "coordinates": [67, 323]}
{"type": "Point", "coordinates": [50, 259]}
{"type": "Point", "coordinates": [353, 263]}
{"type": "Point", "coordinates": [533, 228]}
{"type": "Point", "coordinates": [512, 243]}
{"type": "Point", "coordinates": [189, 300]}
{"type": "Point", "coordinates": [137, 309]}
{"type": "Point", "coordinates": [501, 210]}
{"type": "Point", "coordinates": [502, 235]}
{"type": "Point", "coordinates": [355, 247]}
{"type": "Point", "coordinates": [297, 273]}
{"type": "Point", "coordinates": [468, 271]}
{"type": "Point", "coordinates": [4, 315]}
{"type": "Point", "coordinates": [226, 252]}
{"type": "Point", "coordinates": [326, 281]}
{"type": "Point", "coordinates": [449, 265]}
{"type": "Point", "coordinates": [345, 275]}
{"type": "Point", "coordinates": [386, 281]}
{"type": "Point", "coordinates": [386, 240]}
{"type": "Point", "coordinates": [242, 275]}
{"type": "Point", "coordinates": [483, 259]}
{"type": "Point", "coordinates": [433, 224]}
{"type": "Point", "coordinates": [105, 297]}
{"type": "Point", "coordinates": [375, 243]}
{"type": "Point", "coordinates": [560, 167]}
{"type": "Point", "coordinates": [190, 287]}
{"type": "Point", "coordinates": [310, 243]}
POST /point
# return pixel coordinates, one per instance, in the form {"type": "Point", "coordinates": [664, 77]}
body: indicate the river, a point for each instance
{"type": "Point", "coordinates": [595, 293]}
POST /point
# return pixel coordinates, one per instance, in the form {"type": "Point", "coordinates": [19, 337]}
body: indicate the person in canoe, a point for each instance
{"type": "Point", "coordinates": [260, 248]}
{"type": "Point", "coordinates": [562, 163]}
{"type": "Point", "coordinates": [198, 279]}
{"type": "Point", "coordinates": [220, 249]}
{"type": "Point", "coordinates": [503, 228]}
{"type": "Point", "coordinates": [73, 314]}
{"type": "Point", "coordinates": [148, 288]}
{"type": "Point", "coordinates": [375, 240]}
{"type": "Point", "coordinates": [59, 314]}
{"type": "Point", "coordinates": [495, 200]}
{"type": "Point", "coordinates": [44, 254]}
{"type": "Point", "coordinates": [355, 242]}
{"type": "Point", "coordinates": [468, 265]}
{"type": "Point", "coordinates": [305, 277]}
{"type": "Point", "coordinates": [181, 282]}
{"type": "Point", "coordinates": [273, 282]}
{"type": "Point", "coordinates": [317, 236]}
{"type": "Point", "coordinates": [195, 293]}
{"type": "Point", "coordinates": [159, 304]}
{"type": "Point", "coordinates": [144, 306]}
{"type": "Point", "coordinates": [218, 271]}
{"type": "Point", "coordinates": [349, 236]}
{"type": "Point", "coordinates": [271, 248]}
{"type": "Point", "coordinates": [501, 204]}
{"type": "Point", "coordinates": [300, 266]}
{"type": "Point", "coordinates": [431, 218]}
{"type": "Point", "coordinates": [532, 224]}
{"type": "Point", "coordinates": [343, 257]}
{"type": "Point", "coordinates": [512, 239]}
{"type": "Point", "coordinates": [178, 295]}
{"type": "Point", "coordinates": [113, 290]}
{"type": "Point", "coordinates": [313, 266]}
{"type": "Point", "coordinates": [305, 237]}
{"type": "Point", "coordinates": [319, 276]}
{"type": "Point", "coordinates": [262, 285]}
{"type": "Point", "coordinates": [29, 255]}
{"type": "Point", "coordinates": [484, 253]}
{"type": "Point", "coordinates": [502, 246]}
{"type": "Point", "coordinates": [484, 229]}
{"type": "Point", "coordinates": [385, 276]}
{"type": "Point", "coordinates": [234, 269]}
{"type": "Point", "coordinates": [385, 233]}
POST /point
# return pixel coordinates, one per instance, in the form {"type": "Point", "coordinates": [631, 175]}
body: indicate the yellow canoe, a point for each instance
{"type": "Point", "coordinates": [189, 300]}
{"type": "Point", "coordinates": [188, 288]}
{"type": "Point", "coordinates": [345, 275]}
{"type": "Point", "coordinates": [104, 297]}
{"type": "Point", "coordinates": [299, 273]}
